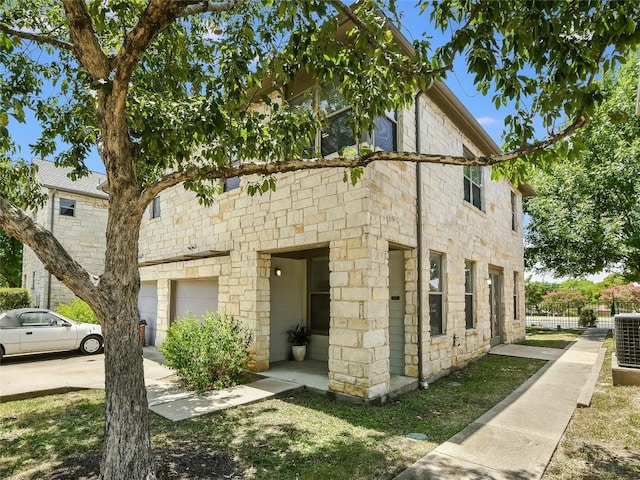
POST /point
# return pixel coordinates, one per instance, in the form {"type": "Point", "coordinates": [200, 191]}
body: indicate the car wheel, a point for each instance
{"type": "Point", "coordinates": [1, 353]}
{"type": "Point", "coordinates": [91, 345]}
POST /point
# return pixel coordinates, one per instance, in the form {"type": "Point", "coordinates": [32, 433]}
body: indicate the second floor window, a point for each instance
{"type": "Point", "coordinates": [473, 186]}
{"type": "Point", "coordinates": [514, 212]}
{"type": "Point", "coordinates": [337, 133]}
{"type": "Point", "coordinates": [155, 208]}
{"type": "Point", "coordinates": [67, 207]}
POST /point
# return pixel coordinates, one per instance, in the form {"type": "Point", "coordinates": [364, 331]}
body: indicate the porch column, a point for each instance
{"type": "Point", "coordinates": [249, 291]}
{"type": "Point", "coordinates": [358, 333]}
{"type": "Point", "coordinates": [163, 312]}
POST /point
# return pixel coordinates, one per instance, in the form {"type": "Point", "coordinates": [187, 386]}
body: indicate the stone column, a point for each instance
{"type": "Point", "coordinates": [249, 289]}
{"type": "Point", "coordinates": [358, 334]}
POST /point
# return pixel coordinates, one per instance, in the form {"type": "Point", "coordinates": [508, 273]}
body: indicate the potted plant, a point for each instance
{"type": "Point", "coordinates": [299, 337]}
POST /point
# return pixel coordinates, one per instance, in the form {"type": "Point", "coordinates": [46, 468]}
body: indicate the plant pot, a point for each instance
{"type": "Point", "coordinates": [299, 351]}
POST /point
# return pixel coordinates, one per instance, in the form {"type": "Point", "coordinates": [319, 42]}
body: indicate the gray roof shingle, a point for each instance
{"type": "Point", "coordinates": [50, 176]}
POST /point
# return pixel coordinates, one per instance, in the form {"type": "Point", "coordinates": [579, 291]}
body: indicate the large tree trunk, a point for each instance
{"type": "Point", "coordinates": [127, 445]}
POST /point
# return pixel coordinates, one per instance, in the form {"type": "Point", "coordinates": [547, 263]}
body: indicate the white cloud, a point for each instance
{"type": "Point", "coordinates": [486, 120]}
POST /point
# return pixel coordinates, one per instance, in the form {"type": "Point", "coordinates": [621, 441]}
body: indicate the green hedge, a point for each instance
{"type": "Point", "coordinates": [11, 298]}
{"type": "Point", "coordinates": [77, 310]}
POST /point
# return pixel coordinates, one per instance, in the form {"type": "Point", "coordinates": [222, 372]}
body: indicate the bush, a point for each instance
{"type": "Point", "coordinates": [11, 298]}
{"type": "Point", "coordinates": [77, 310]}
{"type": "Point", "coordinates": [209, 354]}
{"type": "Point", "coordinates": [587, 318]}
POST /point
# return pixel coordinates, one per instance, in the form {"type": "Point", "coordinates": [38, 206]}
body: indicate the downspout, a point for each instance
{"type": "Point", "coordinates": [51, 222]}
{"type": "Point", "coordinates": [419, 239]}
{"type": "Point", "coordinates": [419, 282]}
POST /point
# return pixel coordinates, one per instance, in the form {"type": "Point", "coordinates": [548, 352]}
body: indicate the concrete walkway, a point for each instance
{"type": "Point", "coordinates": [516, 439]}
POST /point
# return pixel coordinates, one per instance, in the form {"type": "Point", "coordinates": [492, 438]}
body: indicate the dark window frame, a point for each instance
{"type": "Point", "coordinates": [319, 296]}
{"type": "Point", "coordinates": [514, 212]}
{"type": "Point", "coordinates": [156, 209]}
{"type": "Point", "coordinates": [342, 110]}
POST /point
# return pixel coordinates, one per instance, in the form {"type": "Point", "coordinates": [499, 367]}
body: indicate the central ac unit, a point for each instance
{"type": "Point", "coordinates": [628, 339]}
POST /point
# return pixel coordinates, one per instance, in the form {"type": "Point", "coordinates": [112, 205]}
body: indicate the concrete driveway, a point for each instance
{"type": "Point", "coordinates": [28, 376]}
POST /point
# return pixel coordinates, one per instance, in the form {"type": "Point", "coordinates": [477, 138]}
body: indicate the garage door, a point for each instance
{"type": "Point", "coordinates": [396, 312]}
{"type": "Point", "coordinates": [148, 308]}
{"type": "Point", "coordinates": [195, 296]}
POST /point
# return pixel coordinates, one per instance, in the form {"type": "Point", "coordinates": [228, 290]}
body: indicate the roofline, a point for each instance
{"type": "Point", "coordinates": [103, 196]}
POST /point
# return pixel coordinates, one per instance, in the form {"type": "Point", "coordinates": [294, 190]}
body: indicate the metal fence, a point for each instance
{"type": "Point", "coordinates": [566, 315]}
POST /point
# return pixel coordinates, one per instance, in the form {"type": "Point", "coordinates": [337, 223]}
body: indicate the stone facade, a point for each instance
{"type": "Point", "coordinates": [82, 235]}
{"type": "Point", "coordinates": [240, 240]}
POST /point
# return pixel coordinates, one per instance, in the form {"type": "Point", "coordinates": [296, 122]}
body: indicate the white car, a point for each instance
{"type": "Point", "coordinates": [35, 330]}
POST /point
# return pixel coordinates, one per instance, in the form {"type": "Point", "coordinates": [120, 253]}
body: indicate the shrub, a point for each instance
{"type": "Point", "coordinates": [587, 318]}
{"type": "Point", "coordinates": [77, 310]}
{"type": "Point", "coordinates": [208, 354]}
{"type": "Point", "coordinates": [11, 298]}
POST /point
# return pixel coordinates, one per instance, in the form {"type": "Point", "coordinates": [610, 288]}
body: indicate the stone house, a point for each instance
{"type": "Point", "coordinates": [76, 213]}
{"type": "Point", "coordinates": [413, 271]}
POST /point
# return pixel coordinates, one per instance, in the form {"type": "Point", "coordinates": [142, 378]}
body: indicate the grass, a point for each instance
{"type": "Point", "coordinates": [304, 436]}
{"type": "Point", "coordinates": [603, 441]}
{"type": "Point", "coordinates": [551, 338]}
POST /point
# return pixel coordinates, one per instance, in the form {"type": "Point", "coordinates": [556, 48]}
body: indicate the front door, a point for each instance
{"type": "Point", "coordinates": [495, 305]}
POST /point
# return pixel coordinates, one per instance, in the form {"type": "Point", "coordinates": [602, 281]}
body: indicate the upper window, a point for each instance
{"type": "Point", "coordinates": [337, 134]}
{"type": "Point", "coordinates": [231, 183]}
{"type": "Point", "coordinates": [436, 290]}
{"type": "Point", "coordinates": [469, 315]}
{"type": "Point", "coordinates": [155, 208]}
{"type": "Point", "coordinates": [472, 183]}
{"type": "Point", "coordinates": [514, 212]}
{"type": "Point", "coordinates": [473, 186]}
{"type": "Point", "coordinates": [67, 207]}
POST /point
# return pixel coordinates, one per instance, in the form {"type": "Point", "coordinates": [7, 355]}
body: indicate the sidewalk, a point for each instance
{"type": "Point", "coordinates": [517, 438]}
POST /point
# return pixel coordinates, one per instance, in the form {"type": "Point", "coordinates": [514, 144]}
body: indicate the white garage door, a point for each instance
{"type": "Point", "coordinates": [195, 296]}
{"type": "Point", "coordinates": [148, 308]}
{"type": "Point", "coordinates": [396, 312]}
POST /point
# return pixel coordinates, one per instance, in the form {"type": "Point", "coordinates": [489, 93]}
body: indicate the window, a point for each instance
{"type": "Point", "coordinates": [155, 208]}
{"type": "Point", "coordinates": [35, 319]}
{"type": "Point", "coordinates": [514, 212]}
{"type": "Point", "coordinates": [472, 183]}
{"type": "Point", "coordinates": [469, 277]}
{"type": "Point", "coordinates": [319, 297]}
{"type": "Point", "coordinates": [337, 133]}
{"type": "Point", "coordinates": [436, 277]}
{"type": "Point", "coordinates": [67, 207]}
{"type": "Point", "coordinates": [233, 182]}
{"type": "Point", "coordinates": [515, 295]}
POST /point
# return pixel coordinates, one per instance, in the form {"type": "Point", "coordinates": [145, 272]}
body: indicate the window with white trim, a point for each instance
{"type": "Point", "coordinates": [67, 207]}
{"type": "Point", "coordinates": [469, 278]}
{"type": "Point", "coordinates": [436, 293]}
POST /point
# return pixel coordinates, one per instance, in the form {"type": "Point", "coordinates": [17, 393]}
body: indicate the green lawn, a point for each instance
{"type": "Point", "coordinates": [603, 441]}
{"type": "Point", "coordinates": [551, 338]}
{"type": "Point", "coordinates": [304, 436]}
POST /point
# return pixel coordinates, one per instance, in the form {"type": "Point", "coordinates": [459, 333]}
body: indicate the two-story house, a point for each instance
{"type": "Point", "coordinates": [76, 213]}
{"type": "Point", "coordinates": [415, 270]}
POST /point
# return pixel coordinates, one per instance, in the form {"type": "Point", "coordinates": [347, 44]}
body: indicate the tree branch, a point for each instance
{"type": "Point", "coordinates": [195, 7]}
{"type": "Point", "coordinates": [85, 42]}
{"type": "Point", "coordinates": [36, 37]}
{"type": "Point", "coordinates": [57, 261]}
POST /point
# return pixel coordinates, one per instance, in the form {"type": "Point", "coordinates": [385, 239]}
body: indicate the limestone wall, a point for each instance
{"type": "Point", "coordinates": [82, 235]}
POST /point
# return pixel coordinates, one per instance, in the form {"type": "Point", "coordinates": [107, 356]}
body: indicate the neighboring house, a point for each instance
{"type": "Point", "coordinates": [411, 272]}
{"type": "Point", "coordinates": [76, 213]}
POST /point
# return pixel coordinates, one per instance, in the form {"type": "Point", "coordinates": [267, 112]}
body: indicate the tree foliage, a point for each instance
{"type": "Point", "coordinates": [621, 293]}
{"type": "Point", "coordinates": [535, 291]}
{"type": "Point", "coordinates": [571, 296]}
{"type": "Point", "coordinates": [169, 91]}
{"type": "Point", "coordinates": [10, 261]}
{"type": "Point", "coordinates": [586, 215]}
